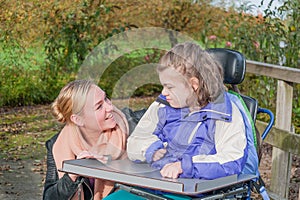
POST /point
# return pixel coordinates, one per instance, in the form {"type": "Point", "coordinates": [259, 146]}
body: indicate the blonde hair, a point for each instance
{"type": "Point", "coordinates": [191, 61]}
{"type": "Point", "coordinates": [71, 100]}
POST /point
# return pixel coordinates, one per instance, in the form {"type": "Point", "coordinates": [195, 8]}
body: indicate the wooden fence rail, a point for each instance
{"type": "Point", "coordinates": [281, 137]}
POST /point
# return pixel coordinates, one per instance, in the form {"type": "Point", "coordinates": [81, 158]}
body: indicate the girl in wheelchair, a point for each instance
{"type": "Point", "coordinates": [195, 129]}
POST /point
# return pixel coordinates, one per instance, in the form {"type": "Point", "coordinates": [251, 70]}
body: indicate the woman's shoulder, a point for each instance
{"type": "Point", "coordinates": [67, 135]}
{"type": "Point", "coordinates": [66, 131]}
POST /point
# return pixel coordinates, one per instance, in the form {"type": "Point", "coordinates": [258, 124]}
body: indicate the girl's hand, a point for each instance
{"type": "Point", "coordinates": [171, 170]}
{"type": "Point", "coordinates": [159, 154]}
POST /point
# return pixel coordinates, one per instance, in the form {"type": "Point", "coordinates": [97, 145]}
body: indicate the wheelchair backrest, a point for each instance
{"type": "Point", "coordinates": [234, 67]}
{"type": "Point", "coordinates": [233, 63]}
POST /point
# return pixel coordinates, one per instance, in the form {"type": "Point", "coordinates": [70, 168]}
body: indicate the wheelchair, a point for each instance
{"type": "Point", "coordinates": [234, 65]}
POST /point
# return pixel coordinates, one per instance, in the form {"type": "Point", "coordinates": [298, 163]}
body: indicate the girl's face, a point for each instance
{"type": "Point", "coordinates": [97, 113]}
{"type": "Point", "coordinates": [175, 87]}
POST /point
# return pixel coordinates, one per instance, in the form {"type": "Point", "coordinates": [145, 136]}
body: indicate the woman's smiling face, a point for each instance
{"type": "Point", "coordinates": [97, 112]}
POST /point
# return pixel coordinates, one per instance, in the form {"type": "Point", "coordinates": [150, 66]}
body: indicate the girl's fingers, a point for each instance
{"type": "Point", "coordinates": [159, 154]}
{"type": "Point", "coordinates": [171, 170]}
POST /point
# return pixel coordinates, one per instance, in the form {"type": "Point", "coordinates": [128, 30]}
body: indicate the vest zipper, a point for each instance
{"type": "Point", "coordinates": [90, 189]}
{"type": "Point", "coordinates": [79, 188]}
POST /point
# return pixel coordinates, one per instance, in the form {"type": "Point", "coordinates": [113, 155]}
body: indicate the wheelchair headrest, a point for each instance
{"type": "Point", "coordinates": [233, 63]}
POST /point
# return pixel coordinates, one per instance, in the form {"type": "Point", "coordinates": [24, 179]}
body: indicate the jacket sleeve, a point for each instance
{"type": "Point", "coordinates": [231, 152]}
{"type": "Point", "coordinates": [143, 135]}
{"type": "Point", "coordinates": [54, 187]}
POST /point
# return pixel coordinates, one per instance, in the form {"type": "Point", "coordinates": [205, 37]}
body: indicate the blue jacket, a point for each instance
{"type": "Point", "coordinates": [210, 143]}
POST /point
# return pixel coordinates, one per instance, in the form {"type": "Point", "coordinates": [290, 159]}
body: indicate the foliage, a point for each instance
{"type": "Point", "coordinates": [124, 64]}
{"type": "Point", "coordinates": [69, 30]}
{"type": "Point", "coordinates": [21, 21]}
{"type": "Point", "coordinates": [20, 82]}
{"type": "Point", "coordinates": [184, 16]}
{"type": "Point", "coordinates": [26, 88]}
{"type": "Point", "coordinates": [22, 72]}
{"type": "Point", "coordinates": [258, 38]}
{"type": "Point", "coordinates": [75, 31]}
{"type": "Point", "coordinates": [43, 43]}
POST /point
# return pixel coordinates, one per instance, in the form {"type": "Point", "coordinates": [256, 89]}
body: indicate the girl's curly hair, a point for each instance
{"type": "Point", "coordinates": [191, 60]}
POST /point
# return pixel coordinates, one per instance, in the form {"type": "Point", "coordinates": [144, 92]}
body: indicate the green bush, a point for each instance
{"type": "Point", "coordinates": [123, 65]}
{"type": "Point", "coordinates": [258, 38]}
{"type": "Point", "coordinates": [22, 79]}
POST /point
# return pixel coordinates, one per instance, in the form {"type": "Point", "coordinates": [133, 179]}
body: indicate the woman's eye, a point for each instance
{"type": "Point", "coordinates": [100, 106]}
{"type": "Point", "coordinates": [107, 100]}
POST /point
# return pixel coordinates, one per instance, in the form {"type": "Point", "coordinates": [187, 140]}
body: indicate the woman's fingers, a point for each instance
{"type": "Point", "coordinates": [102, 158]}
{"type": "Point", "coordinates": [84, 154]}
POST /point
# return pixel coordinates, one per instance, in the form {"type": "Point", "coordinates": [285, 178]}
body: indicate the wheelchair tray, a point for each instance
{"type": "Point", "coordinates": [142, 175]}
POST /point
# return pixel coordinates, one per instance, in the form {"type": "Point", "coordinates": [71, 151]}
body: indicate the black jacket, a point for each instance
{"type": "Point", "coordinates": [63, 188]}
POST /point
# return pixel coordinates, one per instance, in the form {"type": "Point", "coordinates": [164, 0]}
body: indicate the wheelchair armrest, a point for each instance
{"type": "Point", "coordinates": [270, 123]}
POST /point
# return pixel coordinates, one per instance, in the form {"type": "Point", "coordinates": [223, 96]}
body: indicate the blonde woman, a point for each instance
{"type": "Point", "coordinates": [94, 128]}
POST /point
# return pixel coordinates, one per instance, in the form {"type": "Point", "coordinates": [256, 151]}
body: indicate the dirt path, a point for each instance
{"type": "Point", "coordinates": [20, 180]}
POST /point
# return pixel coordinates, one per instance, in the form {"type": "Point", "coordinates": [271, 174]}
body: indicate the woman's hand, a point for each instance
{"type": "Point", "coordinates": [87, 154]}
{"type": "Point", "coordinates": [84, 154]}
{"type": "Point", "coordinates": [159, 154]}
{"type": "Point", "coordinates": [171, 170]}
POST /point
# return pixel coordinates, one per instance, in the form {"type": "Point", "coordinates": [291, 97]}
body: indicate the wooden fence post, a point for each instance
{"type": "Point", "coordinates": [281, 160]}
